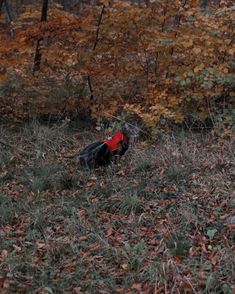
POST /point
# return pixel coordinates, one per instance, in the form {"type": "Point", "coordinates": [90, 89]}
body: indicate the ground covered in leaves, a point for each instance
{"type": "Point", "coordinates": [160, 221]}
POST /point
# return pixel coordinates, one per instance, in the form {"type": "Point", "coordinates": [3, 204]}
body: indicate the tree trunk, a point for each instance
{"type": "Point", "coordinates": [38, 54]}
{"type": "Point", "coordinates": [1, 3]}
{"type": "Point", "coordinates": [10, 19]}
{"type": "Point", "coordinates": [8, 11]}
{"type": "Point", "coordinates": [93, 49]}
{"type": "Point", "coordinates": [204, 5]}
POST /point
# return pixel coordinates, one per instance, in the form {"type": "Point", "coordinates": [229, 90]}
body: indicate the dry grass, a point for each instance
{"type": "Point", "coordinates": [154, 223]}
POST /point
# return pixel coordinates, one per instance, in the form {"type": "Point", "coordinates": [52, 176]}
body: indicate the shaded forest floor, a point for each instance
{"type": "Point", "coordinates": [160, 221]}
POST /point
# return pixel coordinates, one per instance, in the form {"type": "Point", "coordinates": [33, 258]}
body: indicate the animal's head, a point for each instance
{"type": "Point", "coordinates": [131, 131]}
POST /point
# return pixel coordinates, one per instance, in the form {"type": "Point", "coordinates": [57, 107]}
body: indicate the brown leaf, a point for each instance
{"type": "Point", "coordinates": [213, 260]}
{"type": "Point", "coordinates": [83, 238]}
{"type": "Point", "coordinates": [77, 290]}
{"type": "Point", "coordinates": [137, 287]}
{"type": "Point", "coordinates": [159, 290]}
{"type": "Point", "coordinates": [196, 50]}
{"type": "Point", "coordinates": [231, 227]}
{"type": "Point", "coordinates": [40, 245]}
{"type": "Point", "coordinates": [94, 246]}
{"type": "Point", "coordinates": [82, 212]}
{"type": "Point", "coordinates": [4, 254]}
{"type": "Point", "coordinates": [109, 232]}
{"type": "Point", "coordinates": [5, 283]}
{"type": "Point", "coordinates": [224, 216]}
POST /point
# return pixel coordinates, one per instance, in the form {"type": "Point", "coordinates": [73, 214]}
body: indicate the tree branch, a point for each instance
{"type": "Point", "coordinates": [1, 3]}
{"type": "Point", "coordinates": [98, 27]}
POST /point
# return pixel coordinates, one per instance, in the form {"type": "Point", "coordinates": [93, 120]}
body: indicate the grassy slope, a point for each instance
{"type": "Point", "coordinates": [155, 223]}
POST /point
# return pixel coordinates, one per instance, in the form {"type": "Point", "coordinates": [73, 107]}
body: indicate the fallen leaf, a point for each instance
{"type": "Point", "coordinates": [82, 212]}
{"type": "Point", "coordinates": [40, 245]}
{"type": "Point", "coordinates": [83, 238]}
{"type": "Point", "coordinates": [94, 246]}
{"type": "Point", "coordinates": [109, 232]}
{"type": "Point", "coordinates": [230, 226]}
{"type": "Point", "coordinates": [124, 266]}
{"type": "Point", "coordinates": [137, 287]}
{"type": "Point", "coordinates": [4, 254]}
{"type": "Point", "coordinates": [5, 283]}
{"type": "Point", "coordinates": [17, 248]}
{"type": "Point", "coordinates": [77, 290]}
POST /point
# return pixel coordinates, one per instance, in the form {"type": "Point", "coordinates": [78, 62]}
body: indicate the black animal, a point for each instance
{"type": "Point", "coordinates": [103, 152]}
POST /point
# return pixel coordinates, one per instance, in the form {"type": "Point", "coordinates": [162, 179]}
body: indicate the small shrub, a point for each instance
{"type": "Point", "coordinates": [131, 203]}
{"type": "Point", "coordinates": [134, 255]}
{"type": "Point", "coordinates": [178, 246]}
{"type": "Point", "coordinates": [7, 210]}
{"type": "Point", "coordinates": [143, 165]}
{"type": "Point", "coordinates": [40, 178]}
{"type": "Point", "coordinates": [176, 174]}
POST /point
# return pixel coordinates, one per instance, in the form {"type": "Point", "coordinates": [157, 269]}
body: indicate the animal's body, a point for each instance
{"type": "Point", "coordinates": [103, 152]}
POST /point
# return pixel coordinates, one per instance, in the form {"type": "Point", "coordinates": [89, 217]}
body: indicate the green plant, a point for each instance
{"type": "Point", "coordinates": [40, 177]}
{"type": "Point", "coordinates": [131, 203]}
{"type": "Point", "coordinates": [134, 255]}
{"type": "Point", "coordinates": [7, 209]}
{"type": "Point", "coordinates": [178, 245]}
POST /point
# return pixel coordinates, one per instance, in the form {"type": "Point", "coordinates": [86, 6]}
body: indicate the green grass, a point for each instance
{"type": "Point", "coordinates": [154, 221]}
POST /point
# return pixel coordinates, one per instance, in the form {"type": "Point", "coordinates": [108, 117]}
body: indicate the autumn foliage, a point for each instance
{"type": "Point", "coordinates": [161, 220]}
{"type": "Point", "coordinates": [164, 61]}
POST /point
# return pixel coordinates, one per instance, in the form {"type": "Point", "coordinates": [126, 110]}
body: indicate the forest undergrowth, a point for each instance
{"type": "Point", "coordinates": [160, 221]}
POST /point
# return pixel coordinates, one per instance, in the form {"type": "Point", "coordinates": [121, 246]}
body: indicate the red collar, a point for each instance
{"type": "Point", "coordinates": [113, 142]}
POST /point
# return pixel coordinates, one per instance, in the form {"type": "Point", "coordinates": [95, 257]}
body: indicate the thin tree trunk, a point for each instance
{"type": "Point", "coordinates": [9, 16]}
{"type": "Point", "coordinates": [204, 5]}
{"type": "Point", "coordinates": [1, 3]}
{"type": "Point", "coordinates": [8, 11]}
{"type": "Point", "coordinates": [98, 27]}
{"type": "Point", "coordinates": [93, 49]}
{"type": "Point", "coordinates": [38, 54]}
